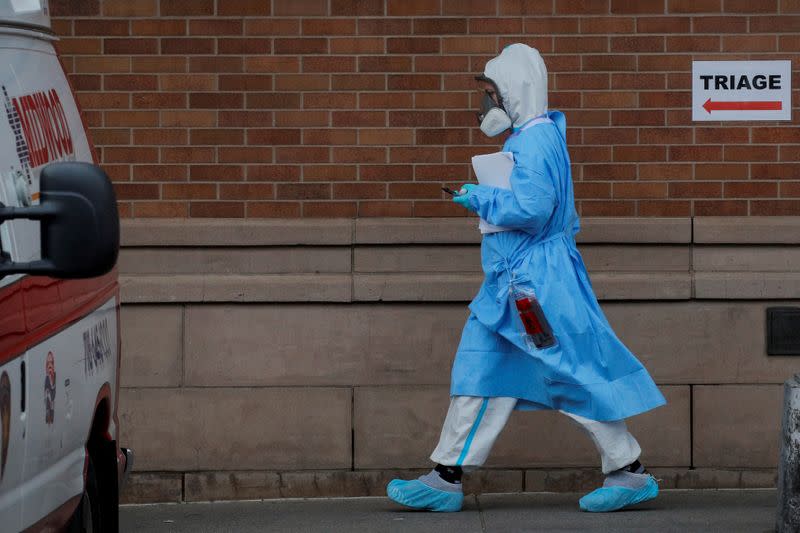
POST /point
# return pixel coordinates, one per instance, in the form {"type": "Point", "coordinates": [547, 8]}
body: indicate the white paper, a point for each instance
{"type": "Point", "coordinates": [493, 170]}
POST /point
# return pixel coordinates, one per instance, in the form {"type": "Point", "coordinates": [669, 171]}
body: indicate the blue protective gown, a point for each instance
{"type": "Point", "coordinates": [589, 372]}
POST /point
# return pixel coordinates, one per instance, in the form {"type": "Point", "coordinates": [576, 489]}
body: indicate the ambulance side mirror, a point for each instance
{"type": "Point", "coordinates": [79, 223]}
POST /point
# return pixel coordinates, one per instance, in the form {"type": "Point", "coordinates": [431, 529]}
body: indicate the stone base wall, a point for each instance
{"type": "Point", "coordinates": [295, 358]}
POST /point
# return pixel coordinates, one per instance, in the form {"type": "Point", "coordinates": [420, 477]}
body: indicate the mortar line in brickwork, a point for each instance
{"type": "Point", "coordinates": [183, 346]}
{"type": "Point", "coordinates": [352, 429]}
{"type": "Point", "coordinates": [480, 513]}
{"type": "Point", "coordinates": [692, 280]}
{"type": "Point", "coordinates": [691, 427]}
{"type": "Point", "coordinates": [353, 262]}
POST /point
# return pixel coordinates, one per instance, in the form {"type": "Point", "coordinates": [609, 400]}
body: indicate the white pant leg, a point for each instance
{"type": "Point", "coordinates": [617, 447]}
{"type": "Point", "coordinates": [470, 430]}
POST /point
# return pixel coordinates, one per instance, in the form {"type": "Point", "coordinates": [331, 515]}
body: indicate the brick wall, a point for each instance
{"type": "Point", "coordinates": [343, 108]}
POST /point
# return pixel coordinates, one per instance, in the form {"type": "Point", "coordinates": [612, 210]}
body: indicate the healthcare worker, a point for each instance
{"type": "Point", "coordinates": [578, 366]}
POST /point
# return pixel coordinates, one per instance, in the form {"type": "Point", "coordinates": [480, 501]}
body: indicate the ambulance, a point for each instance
{"type": "Point", "coordinates": [60, 463]}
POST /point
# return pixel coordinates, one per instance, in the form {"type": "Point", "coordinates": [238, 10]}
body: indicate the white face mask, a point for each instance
{"type": "Point", "coordinates": [495, 122]}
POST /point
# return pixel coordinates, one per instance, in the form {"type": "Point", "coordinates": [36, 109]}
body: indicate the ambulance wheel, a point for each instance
{"type": "Point", "coordinates": [87, 517]}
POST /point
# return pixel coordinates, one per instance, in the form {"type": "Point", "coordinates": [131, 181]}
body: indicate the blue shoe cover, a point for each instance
{"type": "Point", "coordinates": [418, 495]}
{"type": "Point", "coordinates": [607, 499]}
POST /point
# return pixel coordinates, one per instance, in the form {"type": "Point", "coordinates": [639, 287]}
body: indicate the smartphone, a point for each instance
{"type": "Point", "coordinates": [451, 192]}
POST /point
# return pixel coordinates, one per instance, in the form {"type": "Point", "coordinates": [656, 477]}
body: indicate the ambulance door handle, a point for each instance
{"type": "Point", "coordinates": [22, 387]}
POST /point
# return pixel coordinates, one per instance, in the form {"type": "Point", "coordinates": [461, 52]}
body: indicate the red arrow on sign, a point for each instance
{"type": "Point", "coordinates": [710, 106]}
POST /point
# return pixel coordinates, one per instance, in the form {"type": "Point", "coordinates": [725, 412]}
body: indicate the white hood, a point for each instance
{"type": "Point", "coordinates": [521, 78]}
{"type": "Point", "coordinates": [25, 13]}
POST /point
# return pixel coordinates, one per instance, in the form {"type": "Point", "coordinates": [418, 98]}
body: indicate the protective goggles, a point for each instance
{"type": "Point", "coordinates": [487, 102]}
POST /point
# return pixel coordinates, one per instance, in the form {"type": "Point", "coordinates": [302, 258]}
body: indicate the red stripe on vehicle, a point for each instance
{"type": "Point", "coordinates": [36, 308]}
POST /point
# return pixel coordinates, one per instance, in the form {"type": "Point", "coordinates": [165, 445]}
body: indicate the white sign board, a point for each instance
{"type": "Point", "coordinates": [741, 90]}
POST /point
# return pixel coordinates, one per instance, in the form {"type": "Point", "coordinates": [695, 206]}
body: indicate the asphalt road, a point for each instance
{"type": "Point", "coordinates": [682, 511]}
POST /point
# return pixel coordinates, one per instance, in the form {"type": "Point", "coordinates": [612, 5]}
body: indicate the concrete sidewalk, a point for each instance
{"type": "Point", "coordinates": [680, 511]}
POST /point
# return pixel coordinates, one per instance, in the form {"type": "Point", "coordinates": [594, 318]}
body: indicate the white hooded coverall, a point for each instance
{"type": "Point", "coordinates": [473, 423]}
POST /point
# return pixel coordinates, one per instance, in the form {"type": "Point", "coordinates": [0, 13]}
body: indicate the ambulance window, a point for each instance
{"type": "Point", "coordinates": [5, 255]}
{"type": "Point", "coordinates": [6, 248]}
{"type": "Point", "coordinates": [6, 244]}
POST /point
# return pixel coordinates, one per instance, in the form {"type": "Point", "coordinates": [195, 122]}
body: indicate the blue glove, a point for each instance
{"type": "Point", "coordinates": [463, 197]}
